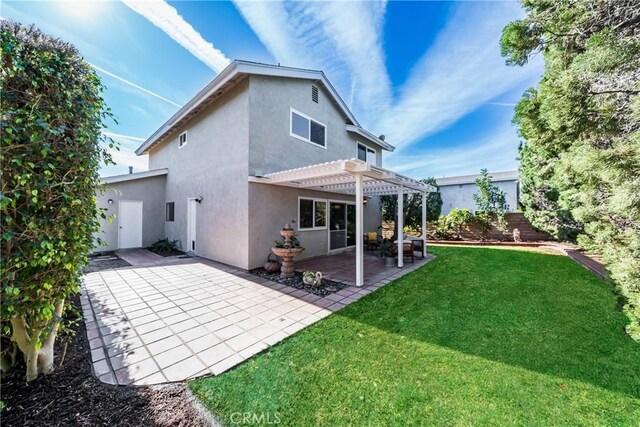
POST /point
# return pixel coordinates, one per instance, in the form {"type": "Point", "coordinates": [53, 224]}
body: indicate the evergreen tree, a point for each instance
{"type": "Point", "coordinates": [580, 159]}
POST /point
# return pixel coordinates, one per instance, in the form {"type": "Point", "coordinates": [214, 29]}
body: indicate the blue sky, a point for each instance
{"type": "Point", "coordinates": [428, 75]}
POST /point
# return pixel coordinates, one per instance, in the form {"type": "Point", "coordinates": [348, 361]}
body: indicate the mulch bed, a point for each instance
{"type": "Point", "coordinates": [71, 396]}
{"type": "Point", "coordinates": [326, 288]}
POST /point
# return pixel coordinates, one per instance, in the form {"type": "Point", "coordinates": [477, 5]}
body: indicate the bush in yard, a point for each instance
{"type": "Point", "coordinates": [52, 150]}
{"type": "Point", "coordinates": [459, 218]}
{"type": "Point", "coordinates": [580, 158]}
{"type": "Point", "coordinates": [165, 245]}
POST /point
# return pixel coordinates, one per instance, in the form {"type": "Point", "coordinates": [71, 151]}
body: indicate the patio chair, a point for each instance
{"type": "Point", "coordinates": [373, 241]}
{"type": "Point", "coordinates": [407, 250]}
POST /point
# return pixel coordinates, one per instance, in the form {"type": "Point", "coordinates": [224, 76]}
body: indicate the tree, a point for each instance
{"type": "Point", "coordinates": [413, 206]}
{"type": "Point", "coordinates": [580, 160]}
{"type": "Point", "coordinates": [490, 200]}
{"type": "Point", "coordinates": [52, 150]}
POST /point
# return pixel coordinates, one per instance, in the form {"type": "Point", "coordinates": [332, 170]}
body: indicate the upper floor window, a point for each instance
{"type": "Point", "coordinates": [182, 139]}
{"type": "Point", "coordinates": [305, 128]}
{"type": "Point", "coordinates": [366, 154]}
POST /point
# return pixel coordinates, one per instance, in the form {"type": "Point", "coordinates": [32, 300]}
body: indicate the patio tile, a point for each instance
{"type": "Point", "coordinates": [164, 345]}
{"type": "Point", "coordinates": [217, 324]}
{"type": "Point", "coordinates": [101, 367]}
{"type": "Point", "coordinates": [184, 369]}
{"type": "Point", "coordinates": [250, 323]}
{"type": "Point", "coordinates": [172, 356]}
{"type": "Point", "coordinates": [215, 354]}
{"type": "Point", "coordinates": [228, 332]}
{"type": "Point", "coordinates": [199, 344]}
{"type": "Point", "coordinates": [193, 333]}
{"type": "Point", "coordinates": [242, 341]}
{"type": "Point", "coordinates": [184, 326]}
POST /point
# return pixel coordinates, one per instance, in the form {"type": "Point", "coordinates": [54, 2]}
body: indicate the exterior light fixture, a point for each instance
{"type": "Point", "coordinates": [199, 199]}
{"type": "Point", "coordinates": [365, 201]}
{"type": "Point", "coordinates": [110, 201]}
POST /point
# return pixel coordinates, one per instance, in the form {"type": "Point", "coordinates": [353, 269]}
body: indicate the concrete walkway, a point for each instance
{"type": "Point", "coordinates": [193, 317]}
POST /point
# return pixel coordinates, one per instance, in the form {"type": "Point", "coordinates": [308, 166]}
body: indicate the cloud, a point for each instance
{"type": "Point", "coordinates": [117, 136]}
{"type": "Point", "coordinates": [123, 80]}
{"type": "Point", "coordinates": [461, 71]}
{"type": "Point", "coordinates": [341, 38]}
{"type": "Point", "coordinates": [166, 17]}
{"type": "Point", "coordinates": [496, 152]}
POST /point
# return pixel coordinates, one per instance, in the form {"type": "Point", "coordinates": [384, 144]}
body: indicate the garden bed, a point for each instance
{"type": "Point", "coordinates": [326, 288]}
{"type": "Point", "coordinates": [165, 253]}
{"type": "Point", "coordinates": [104, 261]}
{"type": "Point", "coordinates": [72, 396]}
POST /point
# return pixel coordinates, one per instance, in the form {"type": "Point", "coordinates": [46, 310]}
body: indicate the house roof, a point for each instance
{"type": "Point", "coordinates": [370, 137]}
{"type": "Point", "coordinates": [339, 176]}
{"type": "Point", "coordinates": [233, 74]}
{"type": "Point", "coordinates": [133, 176]}
{"type": "Point", "coordinates": [471, 179]}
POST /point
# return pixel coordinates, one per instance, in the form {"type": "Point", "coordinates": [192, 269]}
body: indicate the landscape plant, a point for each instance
{"type": "Point", "coordinates": [491, 201]}
{"type": "Point", "coordinates": [52, 150]}
{"type": "Point", "coordinates": [457, 219]}
{"type": "Point", "coordinates": [580, 155]}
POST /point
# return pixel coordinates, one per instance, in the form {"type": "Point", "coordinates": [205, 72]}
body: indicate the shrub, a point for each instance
{"type": "Point", "coordinates": [490, 200]}
{"type": "Point", "coordinates": [52, 150]}
{"type": "Point", "coordinates": [165, 245]}
{"type": "Point", "coordinates": [459, 218]}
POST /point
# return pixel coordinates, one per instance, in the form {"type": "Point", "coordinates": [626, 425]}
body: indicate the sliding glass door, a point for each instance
{"type": "Point", "coordinates": [342, 225]}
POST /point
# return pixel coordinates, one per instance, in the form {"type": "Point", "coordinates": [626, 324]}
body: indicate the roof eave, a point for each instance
{"type": "Point", "coordinates": [370, 137]}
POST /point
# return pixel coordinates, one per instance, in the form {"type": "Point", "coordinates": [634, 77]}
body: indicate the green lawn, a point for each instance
{"type": "Point", "coordinates": [479, 336]}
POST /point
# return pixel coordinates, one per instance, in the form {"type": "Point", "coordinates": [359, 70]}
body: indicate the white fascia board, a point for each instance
{"type": "Point", "coordinates": [370, 137]}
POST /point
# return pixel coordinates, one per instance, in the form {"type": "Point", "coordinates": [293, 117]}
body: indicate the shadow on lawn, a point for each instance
{"type": "Point", "coordinates": [532, 310]}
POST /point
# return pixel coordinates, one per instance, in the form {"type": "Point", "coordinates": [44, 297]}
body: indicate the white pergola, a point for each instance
{"type": "Point", "coordinates": [358, 178]}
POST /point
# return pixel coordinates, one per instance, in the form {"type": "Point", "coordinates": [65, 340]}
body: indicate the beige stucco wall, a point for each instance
{"type": "Point", "coordinates": [272, 148]}
{"type": "Point", "coordinates": [151, 192]}
{"type": "Point", "coordinates": [272, 206]}
{"type": "Point", "coordinates": [212, 165]}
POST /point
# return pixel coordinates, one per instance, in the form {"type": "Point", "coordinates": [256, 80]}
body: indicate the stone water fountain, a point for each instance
{"type": "Point", "coordinates": [288, 250]}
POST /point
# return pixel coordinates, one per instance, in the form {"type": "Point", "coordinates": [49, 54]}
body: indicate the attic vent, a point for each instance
{"type": "Point", "coordinates": [314, 94]}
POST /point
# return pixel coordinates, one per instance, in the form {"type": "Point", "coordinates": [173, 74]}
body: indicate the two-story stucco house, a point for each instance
{"type": "Point", "coordinates": [260, 146]}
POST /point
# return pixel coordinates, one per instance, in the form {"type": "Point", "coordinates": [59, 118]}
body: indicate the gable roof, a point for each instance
{"type": "Point", "coordinates": [234, 73]}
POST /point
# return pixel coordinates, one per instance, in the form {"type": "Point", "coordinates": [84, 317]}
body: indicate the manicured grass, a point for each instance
{"type": "Point", "coordinates": [478, 336]}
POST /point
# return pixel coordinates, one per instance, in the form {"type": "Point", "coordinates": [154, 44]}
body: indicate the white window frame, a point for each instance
{"type": "Point", "coordinates": [307, 140]}
{"type": "Point", "coordinates": [368, 149]}
{"type": "Point", "coordinates": [326, 213]}
{"type": "Point", "coordinates": [186, 139]}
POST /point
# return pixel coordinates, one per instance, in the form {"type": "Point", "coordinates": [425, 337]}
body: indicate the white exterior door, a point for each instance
{"type": "Point", "coordinates": [191, 225]}
{"type": "Point", "coordinates": [130, 224]}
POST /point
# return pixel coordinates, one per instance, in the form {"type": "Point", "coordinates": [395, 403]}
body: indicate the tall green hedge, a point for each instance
{"type": "Point", "coordinates": [52, 151]}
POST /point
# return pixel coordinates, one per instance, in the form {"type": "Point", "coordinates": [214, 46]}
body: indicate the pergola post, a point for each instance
{"type": "Point", "coordinates": [424, 224]}
{"type": "Point", "coordinates": [400, 225]}
{"type": "Point", "coordinates": [359, 229]}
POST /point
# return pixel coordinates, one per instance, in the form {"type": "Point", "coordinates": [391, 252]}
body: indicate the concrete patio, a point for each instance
{"type": "Point", "coordinates": [341, 267]}
{"type": "Point", "coordinates": [193, 317]}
